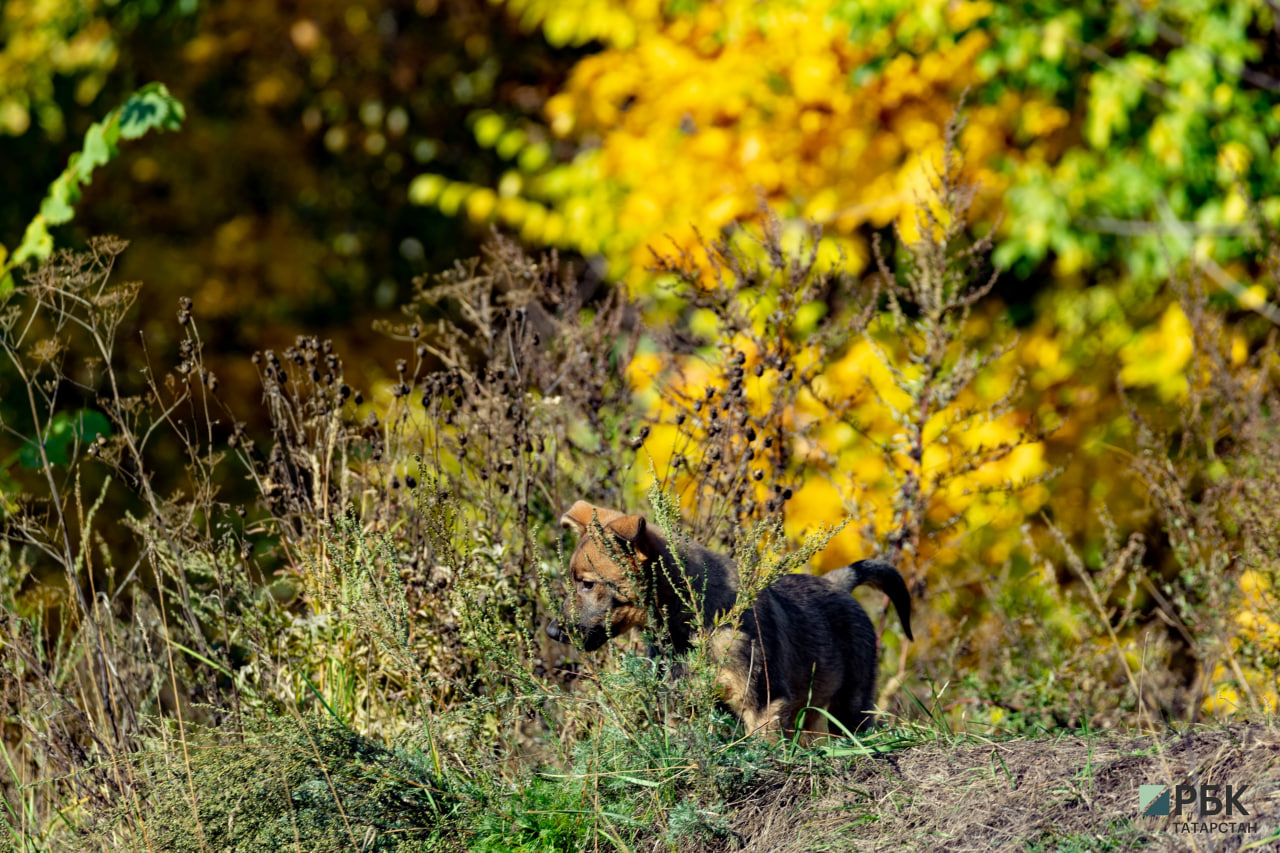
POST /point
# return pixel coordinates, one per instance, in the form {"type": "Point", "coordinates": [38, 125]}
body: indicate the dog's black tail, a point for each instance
{"type": "Point", "coordinates": [882, 576]}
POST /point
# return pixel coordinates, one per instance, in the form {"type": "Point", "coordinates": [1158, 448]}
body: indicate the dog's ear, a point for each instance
{"type": "Point", "coordinates": [580, 514]}
{"type": "Point", "coordinates": [635, 530]}
{"type": "Point", "coordinates": [578, 517]}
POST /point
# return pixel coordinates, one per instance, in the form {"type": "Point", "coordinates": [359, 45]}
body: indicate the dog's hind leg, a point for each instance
{"type": "Point", "coordinates": [814, 726]}
{"type": "Point", "coordinates": [773, 717]}
{"type": "Point", "coordinates": [850, 711]}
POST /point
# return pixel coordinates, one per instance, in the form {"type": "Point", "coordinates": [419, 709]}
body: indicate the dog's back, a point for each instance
{"type": "Point", "coordinates": [806, 643]}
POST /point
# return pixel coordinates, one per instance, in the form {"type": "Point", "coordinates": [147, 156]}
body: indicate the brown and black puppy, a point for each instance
{"type": "Point", "coordinates": [803, 643]}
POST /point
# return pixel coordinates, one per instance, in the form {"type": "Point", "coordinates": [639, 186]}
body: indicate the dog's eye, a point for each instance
{"type": "Point", "coordinates": [586, 584]}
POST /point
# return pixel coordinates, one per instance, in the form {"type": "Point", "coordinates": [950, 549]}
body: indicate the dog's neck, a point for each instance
{"type": "Point", "coordinates": [686, 573]}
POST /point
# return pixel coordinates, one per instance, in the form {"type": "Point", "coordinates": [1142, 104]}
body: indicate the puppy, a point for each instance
{"type": "Point", "coordinates": [804, 643]}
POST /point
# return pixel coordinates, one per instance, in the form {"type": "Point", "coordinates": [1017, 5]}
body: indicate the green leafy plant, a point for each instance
{"type": "Point", "coordinates": [64, 429]}
{"type": "Point", "coordinates": [150, 107]}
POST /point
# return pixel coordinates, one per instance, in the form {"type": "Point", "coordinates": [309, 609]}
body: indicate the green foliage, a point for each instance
{"type": "Point", "coordinates": [1178, 109]}
{"type": "Point", "coordinates": [150, 107]}
{"type": "Point", "coordinates": [308, 783]}
{"type": "Point", "coordinates": [64, 430]}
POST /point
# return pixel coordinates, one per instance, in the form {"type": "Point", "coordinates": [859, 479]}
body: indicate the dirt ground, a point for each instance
{"type": "Point", "coordinates": [1066, 793]}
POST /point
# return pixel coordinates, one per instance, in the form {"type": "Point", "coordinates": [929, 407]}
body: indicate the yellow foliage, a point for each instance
{"type": "Point", "coordinates": [1226, 698]}
{"type": "Point", "coordinates": [1157, 357]}
{"type": "Point", "coordinates": [844, 471]}
{"type": "Point", "coordinates": [1233, 162]}
{"type": "Point", "coordinates": [1257, 624]}
{"type": "Point", "coordinates": [702, 116]}
{"type": "Point", "coordinates": [43, 38]}
{"type": "Point", "coordinates": [1253, 297]}
{"type": "Point", "coordinates": [576, 22]}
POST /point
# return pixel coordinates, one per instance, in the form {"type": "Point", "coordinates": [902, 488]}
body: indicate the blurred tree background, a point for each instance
{"type": "Point", "coordinates": [281, 206]}
{"type": "Point", "coordinates": [333, 151]}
